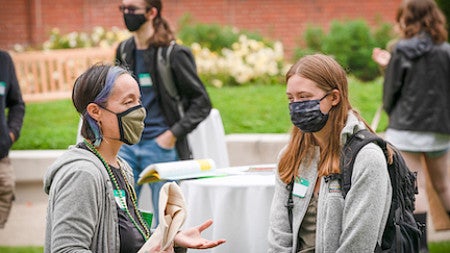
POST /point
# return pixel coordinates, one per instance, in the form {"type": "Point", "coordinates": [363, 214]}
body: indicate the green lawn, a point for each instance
{"type": "Point", "coordinates": [244, 109]}
{"type": "Point", "coordinates": [21, 249]}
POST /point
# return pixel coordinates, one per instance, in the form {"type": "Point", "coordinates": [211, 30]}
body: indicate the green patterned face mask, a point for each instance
{"type": "Point", "coordinates": [131, 124]}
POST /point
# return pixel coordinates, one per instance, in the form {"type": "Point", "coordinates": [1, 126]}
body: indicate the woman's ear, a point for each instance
{"type": "Point", "coordinates": [94, 111]}
{"type": "Point", "coordinates": [335, 97]}
{"type": "Point", "coordinates": [152, 13]}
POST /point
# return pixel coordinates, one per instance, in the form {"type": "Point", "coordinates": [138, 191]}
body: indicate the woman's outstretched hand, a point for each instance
{"type": "Point", "coordinates": [192, 238]}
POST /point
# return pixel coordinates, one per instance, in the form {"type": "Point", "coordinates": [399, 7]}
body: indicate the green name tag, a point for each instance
{"type": "Point", "coordinates": [2, 88]}
{"type": "Point", "coordinates": [145, 80]}
{"type": "Point", "coordinates": [300, 187]}
{"type": "Point", "coordinates": [119, 196]}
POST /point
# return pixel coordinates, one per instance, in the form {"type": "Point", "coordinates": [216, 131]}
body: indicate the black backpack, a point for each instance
{"type": "Point", "coordinates": [402, 233]}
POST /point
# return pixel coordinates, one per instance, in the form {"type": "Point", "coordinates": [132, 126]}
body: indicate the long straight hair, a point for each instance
{"type": "Point", "coordinates": [328, 75]}
{"type": "Point", "coordinates": [163, 34]}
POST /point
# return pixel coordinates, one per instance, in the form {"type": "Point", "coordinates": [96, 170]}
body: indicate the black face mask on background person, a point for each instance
{"type": "Point", "coordinates": [307, 116]}
{"type": "Point", "coordinates": [134, 21]}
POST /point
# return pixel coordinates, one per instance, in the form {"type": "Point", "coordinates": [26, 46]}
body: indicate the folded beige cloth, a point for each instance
{"type": "Point", "coordinates": [172, 214]}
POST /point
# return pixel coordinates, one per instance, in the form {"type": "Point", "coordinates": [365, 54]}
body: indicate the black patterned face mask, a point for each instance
{"type": "Point", "coordinates": [306, 115]}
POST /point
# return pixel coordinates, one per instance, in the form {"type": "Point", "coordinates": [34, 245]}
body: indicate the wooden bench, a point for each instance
{"type": "Point", "coordinates": [50, 75]}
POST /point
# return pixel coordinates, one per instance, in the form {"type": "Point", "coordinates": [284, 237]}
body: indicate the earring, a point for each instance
{"type": "Point", "coordinates": [99, 136]}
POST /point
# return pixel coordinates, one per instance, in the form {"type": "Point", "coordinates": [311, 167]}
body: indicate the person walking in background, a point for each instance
{"type": "Point", "coordinates": [323, 120]}
{"type": "Point", "coordinates": [416, 96]}
{"type": "Point", "coordinates": [166, 125]}
{"type": "Point", "coordinates": [12, 111]}
{"type": "Point", "coordinates": [92, 203]}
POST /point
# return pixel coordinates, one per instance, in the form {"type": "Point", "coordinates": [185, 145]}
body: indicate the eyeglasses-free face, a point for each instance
{"type": "Point", "coordinates": [131, 9]}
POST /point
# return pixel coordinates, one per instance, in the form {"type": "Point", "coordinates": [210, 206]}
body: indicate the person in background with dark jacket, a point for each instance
{"type": "Point", "coordinates": [164, 137]}
{"type": "Point", "coordinates": [416, 96]}
{"type": "Point", "coordinates": [10, 126]}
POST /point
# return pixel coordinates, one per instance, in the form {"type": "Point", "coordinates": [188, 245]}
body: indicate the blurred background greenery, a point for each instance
{"type": "Point", "coordinates": [243, 73]}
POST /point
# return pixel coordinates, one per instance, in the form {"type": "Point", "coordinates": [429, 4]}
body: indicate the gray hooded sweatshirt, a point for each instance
{"type": "Point", "coordinates": [81, 212]}
{"type": "Point", "coordinates": [355, 224]}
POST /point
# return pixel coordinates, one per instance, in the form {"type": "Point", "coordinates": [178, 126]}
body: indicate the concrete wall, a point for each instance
{"type": "Point", "coordinates": [243, 149]}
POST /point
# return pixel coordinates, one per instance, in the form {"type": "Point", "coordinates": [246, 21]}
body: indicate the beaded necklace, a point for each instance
{"type": "Point", "coordinates": [130, 191]}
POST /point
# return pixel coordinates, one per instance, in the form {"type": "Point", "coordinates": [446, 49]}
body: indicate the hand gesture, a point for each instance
{"type": "Point", "coordinates": [192, 238]}
{"type": "Point", "coordinates": [381, 57]}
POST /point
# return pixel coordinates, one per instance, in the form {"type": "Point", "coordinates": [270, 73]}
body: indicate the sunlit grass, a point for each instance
{"type": "Point", "coordinates": [49, 125]}
{"type": "Point", "coordinates": [21, 249]}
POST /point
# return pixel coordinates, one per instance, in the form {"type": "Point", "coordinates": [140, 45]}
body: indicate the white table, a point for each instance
{"type": "Point", "coordinates": [239, 206]}
{"type": "Point", "coordinates": [207, 140]}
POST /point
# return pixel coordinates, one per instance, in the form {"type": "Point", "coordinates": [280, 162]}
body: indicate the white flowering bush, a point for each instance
{"type": "Point", "coordinates": [248, 61]}
{"type": "Point", "coordinates": [99, 37]}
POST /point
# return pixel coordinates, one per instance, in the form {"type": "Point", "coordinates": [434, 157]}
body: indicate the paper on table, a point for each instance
{"type": "Point", "coordinates": [178, 170]}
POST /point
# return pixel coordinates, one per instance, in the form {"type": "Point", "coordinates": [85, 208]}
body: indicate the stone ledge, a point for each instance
{"type": "Point", "coordinates": [31, 165]}
{"type": "Point", "coordinates": [243, 149]}
{"type": "Point", "coordinates": [247, 149]}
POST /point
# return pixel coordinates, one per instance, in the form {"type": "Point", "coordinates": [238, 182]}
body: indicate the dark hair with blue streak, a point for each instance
{"type": "Point", "coordinates": [94, 86]}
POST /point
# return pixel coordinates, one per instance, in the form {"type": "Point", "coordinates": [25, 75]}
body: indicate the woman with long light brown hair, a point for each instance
{"type": "Point", "coordinates": [323, 119]}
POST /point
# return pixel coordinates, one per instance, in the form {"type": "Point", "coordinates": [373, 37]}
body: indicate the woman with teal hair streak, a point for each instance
{"type": "Point", "coordinates": [92, 205]}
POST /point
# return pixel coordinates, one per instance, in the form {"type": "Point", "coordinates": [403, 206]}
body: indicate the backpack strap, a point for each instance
{"type": "Point", "coordinates": [290, 202]}
{"type": "Point", "coordinates": [122, 53]}
{"type": "Point", "coordinates": [351, 148]}
{"type": "Point", "coordinates": [348, 156]}
{"type": "Point", "coordinates": [164, 70]}
{"type": "Point", "coordinates": [163, 66]}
